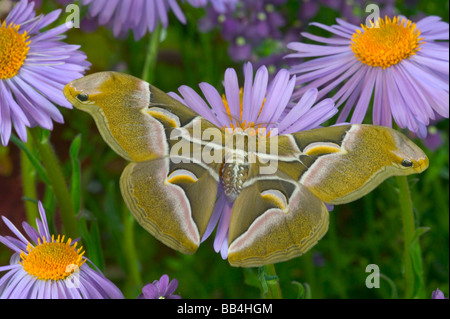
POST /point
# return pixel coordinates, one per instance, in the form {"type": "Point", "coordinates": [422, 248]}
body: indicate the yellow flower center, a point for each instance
{"type": "Point", "coordinates": [13, 50]}
{"type": "Point", "coordinates": [387, 42]}
{"type": "Point", "coordinates": [241, 124]}
{"type": "Point", "coordinates": [53, 260]}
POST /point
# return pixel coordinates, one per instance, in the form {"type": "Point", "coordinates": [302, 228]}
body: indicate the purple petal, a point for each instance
{"type": "Point", "coordinates": [426, 77]}
{"type": "Point", "coordinates": [14, 230]}
{"type": "Point", "coordinates": [40, 100]}
{"type": "Point", "coordinates": [313, 50]}
{"type": "Point", "coordinates": [434, 64]}
{"type": "Point", "coordinates": [259, 92]}
{"type": "Point", "coordinates": [296, 113]}
{"type": "Point", "coordinates": [365, 97]}
{"type": "Point", "coordinates": [173, 284]}
{"type": "Point", "coordinates": [224, 248]}
{"type": "Point", "coordinates": [337, 41]}
{"type": "Point", "coordinates": [8, 243]}
{"type": "Point", "coordinates": [215, 100]}
{"type": "Point", "coordinates": [248, 87]}
{"type": "Point", "coordinates": [437, 294]}
{"type": "Point", "coordinates": [381, 112]}
{"type": "Point", "coordinates": [273, 96]}
{"type": "Point", "coordinates": [163, 284]}
{"type": "Point", "coordinates": [222, 228]}
{"type": "Point", "coordinates": [217, 212]}
{"type": "Point", "coordinates": [286, 95]}
{"type": "Point", "coordinates": [196, 103]}
{"type": "Point", "coordinates": [356, 72]}
{"type": "Point", "coordinates": [350, 103]}
{"type": "Point", "coordinates": [150, 291]}
{"type": "Point", "coordinates": [46, 231]}
{"type": "Point", "coordinates": [31, 232]}
{"type": "Point", "coordinates": [5, 117]}
{"type": "Point", "coordinates": [333, 30]}
{"type": "Point", "coordinates": [232, 93]}
{"type": "Point", "coordinates": [177, 11]}
{"type": "Point", "coordinates": [318, 114]}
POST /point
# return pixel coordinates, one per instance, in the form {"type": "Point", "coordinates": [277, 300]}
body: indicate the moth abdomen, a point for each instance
{"type": "Point", "coordinates": [233, 178]}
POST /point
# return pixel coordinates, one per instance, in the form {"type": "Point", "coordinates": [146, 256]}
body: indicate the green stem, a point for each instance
{"type": "Point", "coordinates": [29, 183]}
{"type": "Point", "coordinates": [57, 182]}
{"type": "Point", "coordinates": [152, 54]}
{"type": "Point", "coordinates": [273, 285]}
{"type": "Point", "coordinates": [130, 249]}
{"type": "Point", "coordinates": [413, 272]}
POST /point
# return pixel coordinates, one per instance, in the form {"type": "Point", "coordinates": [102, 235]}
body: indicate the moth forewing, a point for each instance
{"type": "Point", "coordinates": [369, 154]}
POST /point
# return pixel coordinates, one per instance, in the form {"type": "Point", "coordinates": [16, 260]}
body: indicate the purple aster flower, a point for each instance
{"type": "Point", "coordinates": [223, 6]}
{"type": "Point", "coordinates": [37, 3]}
{"type": "Point", "coordinates": [141, 16]}
{"type": "Point", "coordinates": [220, 6]}
{"type": "Point", "coordinates": [402, 65]}
{"type": "Point", "coordinates": [46, 267]}
{"type": "Point", "coordinates": [434, 139]}
{"type": "Point", "coordinates": [318, 259]}
{"type": "Point", "coordinates": [260, 105]}
{"type": "Point", "coordinates": [252, 23]}
{"type": "Point", "coordinates": [65, 2]}
{"type": "Point", "coordinates": [160, 289]}
{"type": "Point", "coordinates": [34, 67]}
{"type": "Point", "coordinates": [437, 294]}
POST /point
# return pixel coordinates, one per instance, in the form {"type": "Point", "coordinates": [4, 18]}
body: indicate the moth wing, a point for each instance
{"type": "Point", "coordinates": [173, 202]}
{"type": "Point", "coordinates": [345, 163]}
{"type": "Point", "coordinates": [282, 215]}
{"type": "Point", "coordinates": [274, 220]}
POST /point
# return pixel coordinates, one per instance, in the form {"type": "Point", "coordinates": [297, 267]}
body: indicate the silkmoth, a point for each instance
{"type": "Point", "coordinates": [170, 184]}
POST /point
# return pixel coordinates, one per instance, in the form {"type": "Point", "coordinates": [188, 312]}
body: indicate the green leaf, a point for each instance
{"type": "Point", "coordinates": [96, 247]}
{"type": "Point", "coordinates": [75, 186]}
{"type": "Point", "coordinates": [33, 159]}
{"type": "Point", "coordinates": [416, 261]}
{"type": "Point", "coordinates": [44, 136]}
{"type": "Point", "coordinates": [304, 290]}
{"type": "Point", "coordinates": [262, 279]}
{"type": "Point", "coordinates": [49, 203]}
{"type": "Point", "coordinates": [394, 292]}
{"type": "Point", "coordinates": [91, 239]}
{"type": "Point", "coordinates": [251, 278]}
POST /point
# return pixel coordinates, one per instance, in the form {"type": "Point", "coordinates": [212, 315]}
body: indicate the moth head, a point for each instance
{"type": "Point", "coordinates": [109, 91]}
{"type": "Point", "coordinates": [408, 157]}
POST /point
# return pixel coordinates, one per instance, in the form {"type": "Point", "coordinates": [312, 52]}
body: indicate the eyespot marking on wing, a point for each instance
{"type": "Point", "coordinates": [181, 176]}
{"type": "Point", "coordinates": [322, 148]}
{"type": "Point", "coordinates": [277, 198]}
{"type": "Point", "coordinates": [163, 115]}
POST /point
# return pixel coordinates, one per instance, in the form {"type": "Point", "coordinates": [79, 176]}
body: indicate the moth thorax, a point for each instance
{"type": "Point", "coordinates": [233, 177]}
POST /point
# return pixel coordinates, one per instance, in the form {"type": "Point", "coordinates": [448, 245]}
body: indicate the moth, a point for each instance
{"type": "Point", "coordinates": [275, 216]}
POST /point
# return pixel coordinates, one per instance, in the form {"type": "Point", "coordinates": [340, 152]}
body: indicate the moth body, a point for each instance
{"type": "Point", "coordinates": [234, 176]}
{"type": "Point", "coordinates": [235, 168]}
